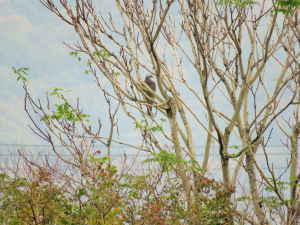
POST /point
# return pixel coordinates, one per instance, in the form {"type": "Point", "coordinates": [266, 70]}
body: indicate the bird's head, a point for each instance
{"type": "Point", "coordinates": [149, 76]}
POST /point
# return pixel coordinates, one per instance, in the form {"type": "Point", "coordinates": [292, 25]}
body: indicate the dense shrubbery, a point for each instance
{"type": "Point", "coordinates": [105, 195]}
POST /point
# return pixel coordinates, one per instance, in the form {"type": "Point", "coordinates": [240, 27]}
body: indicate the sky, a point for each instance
{"type": "Point", "coordinates": [32, 36]}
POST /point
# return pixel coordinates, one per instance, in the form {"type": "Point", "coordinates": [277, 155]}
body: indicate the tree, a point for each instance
{"type": "Point", "coordinates": [228, 58]}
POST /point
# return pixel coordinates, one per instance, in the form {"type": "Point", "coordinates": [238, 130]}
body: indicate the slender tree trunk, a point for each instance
{"type": "Point", "coordinates": [253, 187]}
{"type": "Point", "coordinates": [207, 145]}
{"type": "Point", "coordinates": [293, 212]}
{"type": "Point", "coordinates": [174, 133]}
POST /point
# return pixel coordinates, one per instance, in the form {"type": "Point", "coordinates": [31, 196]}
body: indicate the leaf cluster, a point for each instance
{"type": "Point", "coordinates": [64, 111]}
{"type": "Point", "coordinates": [240, 3]}
{"type": "Point", "coordinates": [144, 126]}
{"type": "Point", "coordinates": [21, 72]}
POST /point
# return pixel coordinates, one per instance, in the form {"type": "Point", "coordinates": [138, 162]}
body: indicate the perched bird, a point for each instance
{"type": "Point", "coordinates": [152, 85]}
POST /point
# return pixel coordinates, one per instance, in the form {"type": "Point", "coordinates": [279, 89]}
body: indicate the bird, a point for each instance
{"type": "Point", "coordinates": [152, 85]}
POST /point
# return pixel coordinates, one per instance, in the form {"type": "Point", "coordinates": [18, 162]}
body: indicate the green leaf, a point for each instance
{"type": "Point", "coordinates": [56, 91]}
{"type": "Point", "coordinates": [145, 126]}
{"type": "Point", "coordinates": [64, 112]}
{"type": "Point", "coordinates": [97, 53]}
{"type": "Point", "coordinates": [2, 176]}
{"type": "Point", "coordinates": [138, 125]}
{"type": "Point", "coordinates": [235, 147]}
{"type": "Point", "coordinates": [19, 73]}
{"type": "Point", "coordinates": [239, 3]}
{"type": "Point", "coordinates": [242, 199]}
{"type": "Point", "coordinates": [286, 6]}
{"type": "Point", "coordinates": [103, 52]}
{"type": "Point", "coordinates": [168, 159]}
{"type": "Point", "coordinates": [81, 192]}
{"type": "Point", "coordinates": [73, 53]}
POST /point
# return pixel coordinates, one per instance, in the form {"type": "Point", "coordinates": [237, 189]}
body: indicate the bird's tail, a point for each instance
{"type": "Point", "coordinates": [149, 110]}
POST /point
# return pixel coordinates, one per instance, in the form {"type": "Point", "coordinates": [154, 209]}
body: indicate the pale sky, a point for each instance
{"type": "Point", "coordinates": [32, 36]}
